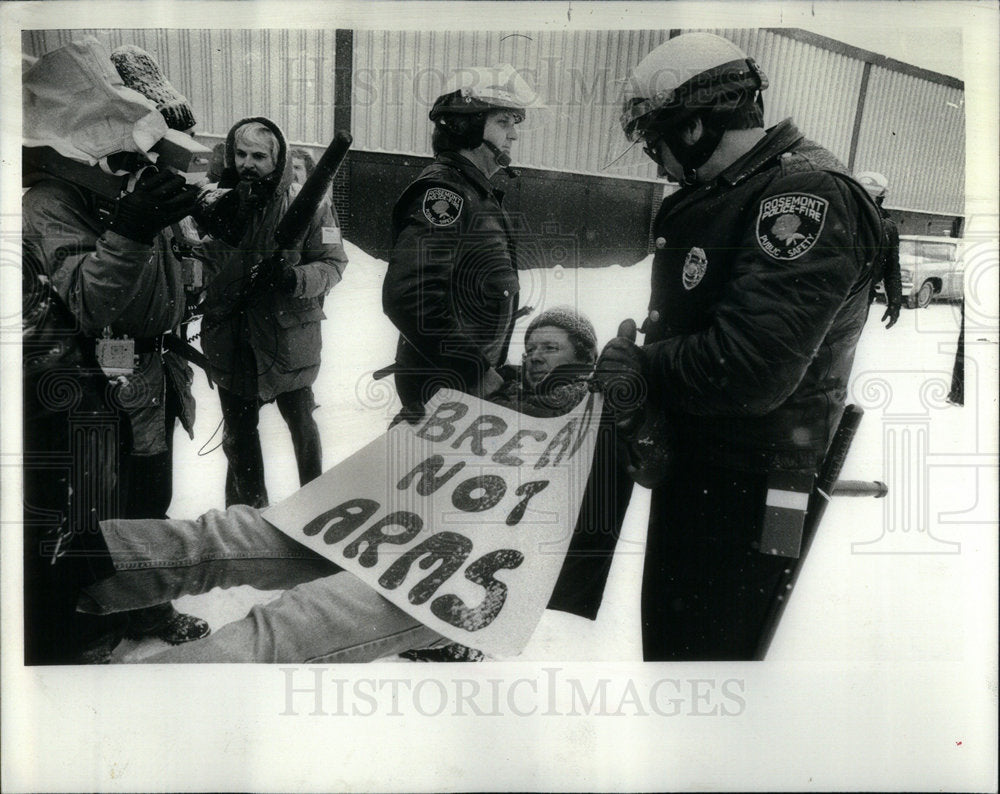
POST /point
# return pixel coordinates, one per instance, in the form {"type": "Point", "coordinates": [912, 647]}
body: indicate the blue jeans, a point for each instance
{"type": "Point", "coordinates": [325, 615]}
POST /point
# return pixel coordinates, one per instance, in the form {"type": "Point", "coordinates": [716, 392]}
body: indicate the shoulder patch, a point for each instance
{"type": "Point", "coordinates": [442, 206]}
{"type": "Point", "coordinates": [790, 224]}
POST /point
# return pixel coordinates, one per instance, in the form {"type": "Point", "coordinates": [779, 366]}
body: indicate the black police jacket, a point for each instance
{"type": "Point", "coordinates": [451, 288]}
{"type": "Point", "coordinates": [760, 287]}
{"type": "Point", "coordinates": [579, 589]}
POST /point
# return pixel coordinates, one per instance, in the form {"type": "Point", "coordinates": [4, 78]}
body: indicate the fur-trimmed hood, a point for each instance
{"type": "Point", "coordinates": [280, 179]}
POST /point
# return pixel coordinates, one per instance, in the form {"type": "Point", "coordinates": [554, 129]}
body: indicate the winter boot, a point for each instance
{"type": "Point", "coordinates": [165, 623]}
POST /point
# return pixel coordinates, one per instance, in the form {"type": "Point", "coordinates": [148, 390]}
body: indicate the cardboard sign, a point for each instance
{"type": "Point", "coordinates": [462, 521]}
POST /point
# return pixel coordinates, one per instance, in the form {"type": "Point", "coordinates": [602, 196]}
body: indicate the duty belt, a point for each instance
{"type": "Point", "coordinates": [150, 344]}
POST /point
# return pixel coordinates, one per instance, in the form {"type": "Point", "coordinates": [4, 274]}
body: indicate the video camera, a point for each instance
{"type": "Point", "coordinates": [183, 155]}
{"type": "Point", "coordinates": [175, 151]}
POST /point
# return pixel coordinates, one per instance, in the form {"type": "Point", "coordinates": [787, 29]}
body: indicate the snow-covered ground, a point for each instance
{"type": "Point", "coordinates": [887, 579]}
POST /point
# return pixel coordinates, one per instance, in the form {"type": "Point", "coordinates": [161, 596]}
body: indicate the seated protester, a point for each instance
{"type": "Point", "coordinates": [332, 618]}
{"type": "Point", "coordinates": [559, 355]}
{"type": "Point", "coordinates": [560, 350]}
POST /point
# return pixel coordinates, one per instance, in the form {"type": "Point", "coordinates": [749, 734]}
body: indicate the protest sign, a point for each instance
{"type": "Point", "coordinates": [462, 520]}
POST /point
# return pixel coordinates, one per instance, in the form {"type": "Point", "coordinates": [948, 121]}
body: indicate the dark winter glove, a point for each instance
{"type": "Point", "coordinates": [620, 375]}
{"type": "Point", "coordinates": [159, 199]}
{"type": "Point", "coordinates": [893, 298]}
{"type": "Point", "coordinates": [891, 314]}
{"type": "Point", "coordinates": [273, 275]}
{"type": "Point", "coordinates": [491, 382]}
{"type": "Point", "coordinates": [288, 281]}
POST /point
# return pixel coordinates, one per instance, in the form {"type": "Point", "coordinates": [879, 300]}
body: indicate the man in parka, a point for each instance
{"type": "Point", "coordinates": [261, 326]}
{"type": "Point", "coordinates": [760, 285]}
{"type": "Point", "coordinates": [452, 286]}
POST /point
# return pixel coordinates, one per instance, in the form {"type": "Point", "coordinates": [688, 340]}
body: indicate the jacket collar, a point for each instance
{"type": "Point", "coordinates": [780, 138]}
{"type": "Point", "coordinates": [470, 171]}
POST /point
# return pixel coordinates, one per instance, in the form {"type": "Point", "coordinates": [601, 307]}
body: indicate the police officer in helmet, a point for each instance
{"type": "Point", "coordinates": [888, 269]}
{"type": "Point", "coordinates": [451, 288]}
{"type": "Point", "coordinates": [760, 286]}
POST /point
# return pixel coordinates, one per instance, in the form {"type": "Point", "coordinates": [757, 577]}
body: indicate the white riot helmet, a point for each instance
{"type": "Point", "coordinates": [472, 93]}
{"type": "Point", "coordinates": [875, 183]}
{"type": "Point", "coordinates": [688, 75]}
{"type": "Point", "coordinates": [481, 89]}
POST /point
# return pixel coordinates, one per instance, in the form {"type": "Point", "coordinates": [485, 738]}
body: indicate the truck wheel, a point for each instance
{"type": "Point", "coordinates": [924, 295]}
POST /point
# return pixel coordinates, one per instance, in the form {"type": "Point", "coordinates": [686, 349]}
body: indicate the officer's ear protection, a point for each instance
{"type": "Point", "coordinates": [464, 129]}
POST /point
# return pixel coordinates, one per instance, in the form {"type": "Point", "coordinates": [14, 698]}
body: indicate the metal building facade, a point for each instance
{"type": "Point", "coordinates": [397, 76]}
{"type": "Point", "coordinates": [873, 113]}
{"type": "Point", "coordinates": [286, 75]}
{"type": "Point", "coordinates": [913, 131]}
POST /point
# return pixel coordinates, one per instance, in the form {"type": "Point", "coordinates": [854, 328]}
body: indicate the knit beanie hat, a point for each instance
{"type": "Point", "coordinates": [140, 72]}
{"type": "Point", "coordinates": [580, 329]}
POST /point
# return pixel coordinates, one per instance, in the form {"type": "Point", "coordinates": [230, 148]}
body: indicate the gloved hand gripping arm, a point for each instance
{"type": "Point", "coordinates": [621, 374]}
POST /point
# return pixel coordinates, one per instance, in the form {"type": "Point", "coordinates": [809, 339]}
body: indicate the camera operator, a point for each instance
{"type": "Point", "coordinates": [101, 290]}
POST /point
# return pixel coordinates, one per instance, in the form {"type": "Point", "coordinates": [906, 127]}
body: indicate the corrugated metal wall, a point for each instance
{"type": "Point", "coordinates": [398, 75]}
{"type": "Point", "coordinates": [227, 75]}
{"type": "Point", "coordinates": [911, 128]}
{"type": "Point", "coordinates": [816, 87]}
{"type": "Point", "coordinates": [913, 131]}
{"type": "Point", "coordinates": [906, 121]}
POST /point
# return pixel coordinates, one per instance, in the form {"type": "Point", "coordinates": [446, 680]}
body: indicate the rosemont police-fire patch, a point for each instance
{"type": "Point", "coordinates": [442, 206]}
{"type": "Point", "coordinates": [790, 224]}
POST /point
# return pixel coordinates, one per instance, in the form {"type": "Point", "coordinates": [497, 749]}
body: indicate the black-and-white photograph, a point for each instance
{"type": "Point", "coordinates": [597, 368]}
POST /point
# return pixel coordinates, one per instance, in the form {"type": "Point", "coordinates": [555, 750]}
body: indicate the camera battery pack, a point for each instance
{"type": "Point", "coordinates": [116, 357]}
{"type": "Point", "coordinates": [785, 507]}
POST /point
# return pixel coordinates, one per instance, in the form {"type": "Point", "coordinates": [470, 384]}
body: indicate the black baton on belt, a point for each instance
{"type": "Point", "coordinates": [821, 494]}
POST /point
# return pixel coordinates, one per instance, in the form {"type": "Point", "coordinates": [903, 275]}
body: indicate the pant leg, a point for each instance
{"type": "Point", "coordinates": [296, 409]}
{"type": "Point", "coordinates": [241, 443]}
{"type": "Point", "coordinates": [160, 560]}
{"type": "Point", "coordinates": [150, 488]}
{"type": "Point", "coordinates": [151, 477]}
{"type": "Point", "coordinates": [333, 619]}
{"type": "Point", "coordinates": [706, 587]}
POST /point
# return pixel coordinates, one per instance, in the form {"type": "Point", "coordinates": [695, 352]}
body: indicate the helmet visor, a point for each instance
{"type": "Point", "coordinates": [623, 155]}
{"type": "Point", "coordinates": [728, 82]}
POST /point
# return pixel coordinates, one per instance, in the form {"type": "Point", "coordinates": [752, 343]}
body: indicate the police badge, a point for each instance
{"type": "Point", "coordinates": [442, 206]}
{"type": "Point", "coordinates": [695, 265]}
{"type": "Point", "coordinates": [790, 224]}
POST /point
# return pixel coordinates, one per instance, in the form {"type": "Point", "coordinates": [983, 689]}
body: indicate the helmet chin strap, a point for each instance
{"type": "Point", "coordinates": [694, 155]}
{"type": "Point", "coordinates": [501, 159]}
